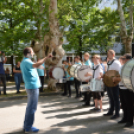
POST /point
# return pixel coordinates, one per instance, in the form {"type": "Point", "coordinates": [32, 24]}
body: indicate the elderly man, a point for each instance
{"type": "Point", "coordinates": [32, 85]}
{"type": "Point", "coordinates": [113, 93]}
{"type": "Point", "coordinates": [126, 97]}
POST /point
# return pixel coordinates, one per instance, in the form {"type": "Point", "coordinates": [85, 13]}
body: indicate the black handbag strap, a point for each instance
{"type": "Point", "coordinates": [94, 69]}
{"type": "Point", "coordinates": [110, 64]}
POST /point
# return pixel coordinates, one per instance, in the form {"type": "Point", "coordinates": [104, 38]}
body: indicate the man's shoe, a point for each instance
{"type": "Point", "coordinates": [99, 110]}
{"type": "Point", "coordinates": [64, 94]}
{"type": "Point", "coordinates": [122, 121]}
{"type": "Point", "coordinates": [108, 114]}
{"type": "Point", "coordinates": [18, 92]}
{"type": "Point", "coordinates": [94, 109]}
{"type": "Point", "coordinates": [128, 124]}
{"type": "Point", "coordinates": [82, 100]}
{"type": "Point", "coordinates": [77, 97]}
{"type": "Point", "coordinates": [33, 129]}
{"type": "Point", "coordinates": [114, 117]}
{"type": "Point", "coordinates": [69, 96]}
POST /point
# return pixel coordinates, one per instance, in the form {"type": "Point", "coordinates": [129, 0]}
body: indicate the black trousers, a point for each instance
{"type": "Point", "coordinates": [113, 94]}
{"type": "Point", "coordinates": [77, 87]}
{"type": "Point", "coordinates": [3, 80]}
{"type": "Point", "coordinates": [88, 98]}
{"type": "Point", "coordinates": [87, 95]}
{"type": "Point", "coordinates": [42, 83]}
{"type": "Point", "coordinates": [67, 87]}
{"type": "Point", "coordinates": [126, 99]}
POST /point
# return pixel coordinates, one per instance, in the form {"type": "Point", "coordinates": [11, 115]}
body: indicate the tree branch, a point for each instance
{"type": "Point", "coordinates": [122, 19]}
{"type": "Point", "coordinates": [131, 20]}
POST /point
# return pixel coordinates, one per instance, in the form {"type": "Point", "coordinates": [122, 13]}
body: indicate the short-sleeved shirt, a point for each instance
{"type": "Point", "coordinates": [103, 67]}
{"type": "Point", "coordinates": [88, 63]}
{"type": "Point", "coordinates": [79, 63]}
{"type": "Point", "coordinates": [30, 75]}
{"type": "Point", "coordinates": [67, 74]}
{"type": "Point", "coordinates": [17, 68]}
{"type": "Point", "coordinates": [98, 70]}
{"type": "Point", "coordinates": [41, 71]}
{"type": "Point", "coordinates": [116, 65]}
{"type": "Point", "coordinates": [2, 71]}
{"type": "Point", "coordinates": [121, 85]}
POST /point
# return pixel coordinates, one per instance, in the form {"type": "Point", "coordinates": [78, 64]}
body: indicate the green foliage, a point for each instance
{"type": "Point", "coordinates": [85, 26]}
{"type": "Point", "coordinates": [89, 28]}
{"type": "Point", "coordinates": [19, 23]}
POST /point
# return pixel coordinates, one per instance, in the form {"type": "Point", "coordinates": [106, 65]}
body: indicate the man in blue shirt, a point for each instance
{"type": "Point", "coordinates": [3, 60]}
{"type": "Point", "coordinates": [77, 82]}
{"type": "Point", "coordinates": [41, 73]}
{"type": "Point", "coordinates": [32, 85]}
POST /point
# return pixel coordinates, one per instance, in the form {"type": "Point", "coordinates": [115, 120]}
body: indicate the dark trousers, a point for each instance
{"type": "Point", "coordinates": [113, 94]}
{"type": "Point", "coordinates": [42, 83]}
{"type": "Point", "coordinates": [88, 96]}
{"type": "Point", "coordinates": [17, 78]}
{"type": "Point", "coordinates": [77, 87]}
{"type": "Point", "coordinates": [126, 98]}
{"type": "Point", "coordinates": [3, 80]}
{"type": "Point", "coordinates": [67, 87]}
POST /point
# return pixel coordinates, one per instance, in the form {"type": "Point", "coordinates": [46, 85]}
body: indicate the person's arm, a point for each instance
{"type": "Point", "coordinates": [16, 71]}
{"type": "Point", "coordinates": [101, 75]}
{"type": "Point", "coordinates": [5, 60]}
{"type": "Point", "coordinates": [116, 79]}
{"type": "Point", "coordinates": [40, 62]}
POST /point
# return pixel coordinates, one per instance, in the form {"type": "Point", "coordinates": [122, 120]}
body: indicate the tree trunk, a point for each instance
{"type": "Point", "coordinates": [52, 43]}
{"type": "Point", "coordinates": [126, 37]}
{"type": "Point", "coordinates": [80, 45]}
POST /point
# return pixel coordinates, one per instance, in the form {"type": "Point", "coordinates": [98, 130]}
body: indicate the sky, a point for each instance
{"type": "Point", "coordinates": [108, 3]}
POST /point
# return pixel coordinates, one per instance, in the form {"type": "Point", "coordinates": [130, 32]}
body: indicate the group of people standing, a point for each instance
{"type": "Point", "coordinates": [119, 96]}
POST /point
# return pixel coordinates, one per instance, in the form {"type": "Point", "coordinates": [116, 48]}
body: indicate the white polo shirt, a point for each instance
{"type": "Point", "coordinates": [97, 71]}
{"type": "Point", "coordinates": [116, 65]}
{"type": "Point", "coordinates": [121, 85]}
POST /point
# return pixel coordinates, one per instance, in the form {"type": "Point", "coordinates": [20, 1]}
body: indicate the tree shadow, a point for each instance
{"type": "Point", "coordinates": [19, 131]}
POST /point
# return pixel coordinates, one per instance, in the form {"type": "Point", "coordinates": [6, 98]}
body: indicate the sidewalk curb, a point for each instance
{"type": "Point", "coordinates": [25, 96]}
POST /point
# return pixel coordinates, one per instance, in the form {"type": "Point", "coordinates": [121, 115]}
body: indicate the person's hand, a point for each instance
{"type": "Point", "coordinates": [99, 78]}
{"type": "Point", "coordinates": [88, 74]}
{"type": "Point", "coordinates": [114, 79]}
{"type": "Point", "coordinates": [87, 80]}
{"type": "Point", "coordinates": [50, 56]}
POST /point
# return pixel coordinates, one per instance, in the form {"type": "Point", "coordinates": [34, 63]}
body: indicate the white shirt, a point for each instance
{"type": "Point", "coordinates": [121, 85]}
{"type": "Point", "coordinates": [98, 71]}
{"type": "Point", "coordinates": [116, 65]}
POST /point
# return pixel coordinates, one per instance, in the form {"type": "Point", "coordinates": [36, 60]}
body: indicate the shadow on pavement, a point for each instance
{"type": "Point", "coordinates": [20, 131]}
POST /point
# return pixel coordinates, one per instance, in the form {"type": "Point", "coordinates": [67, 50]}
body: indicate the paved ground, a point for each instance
{"type": "Point", "coordinates": [58, 115]}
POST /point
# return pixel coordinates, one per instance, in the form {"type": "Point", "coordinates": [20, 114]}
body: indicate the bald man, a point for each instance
{"type": "Point", "coordinates": [113, 93]}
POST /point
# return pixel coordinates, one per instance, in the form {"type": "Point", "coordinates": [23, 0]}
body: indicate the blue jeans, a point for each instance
{"type": "Point", "coordinates": [17, 78]}
{"type": "Point", "coordinates": [113, 94]}
{"type": "Point", "coordinates": [31, 107]}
